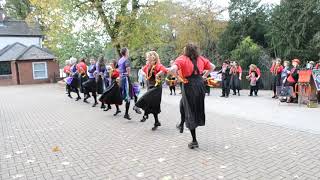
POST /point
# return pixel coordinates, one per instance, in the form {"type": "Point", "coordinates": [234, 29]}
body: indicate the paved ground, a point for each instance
{"type": "Point", "coordinates": [95, 145]}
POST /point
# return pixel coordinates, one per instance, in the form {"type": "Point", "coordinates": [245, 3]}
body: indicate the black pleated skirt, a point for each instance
{"type": "Point", "coordinates": [235, 82]}
{"type": "Point", "coordinates": [112, 95]}
{"type": "Point", "coordinates": [192, 106]}
{"type": "Point", "coordinates": [90, 85]}
{"type": "Point", "coordinates": [100, 85]}
{"type": "Point", "coordinates": [150, 102]}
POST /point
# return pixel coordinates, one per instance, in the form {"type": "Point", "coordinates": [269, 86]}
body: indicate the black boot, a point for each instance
{"type": "Point", "coordinates": [156, 122]}
{"type": "Point", "coordinates": [156, 125]}
{"type": "Point", "coordinates": [144, 118]}
{"type": "Point", "coordinates": [180, 127]}
{"type": "Point", "coordinates": [104, 106]}
{"type": "Point", "coordinates": [126, 115]}
{"type": "Point", "coordinates": [108, 108]}
{"type": "Point", "coordinates": [137, 110]}
{"type": "Point", "coordinates": [193, 145]}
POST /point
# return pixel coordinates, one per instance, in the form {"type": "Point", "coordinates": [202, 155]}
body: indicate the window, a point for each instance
{"type": "Point", "coordinates": [5, 68]}
{"type": "Point", "coordinates": [39, 70]}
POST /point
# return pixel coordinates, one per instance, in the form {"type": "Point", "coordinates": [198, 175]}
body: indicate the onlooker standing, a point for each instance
{"type": "Point", "coordinates": [253, 84]}
{"type": "Point", "coordinates": [257, 71]}
{"type": "Point", "coordinates": [276, 70]}
{"type": "Point", "coordinates": [236, 73]}
{"type": "Point", "coordinates": [141, 77]}
{"type": "Point", "coordinates": [226, 77]}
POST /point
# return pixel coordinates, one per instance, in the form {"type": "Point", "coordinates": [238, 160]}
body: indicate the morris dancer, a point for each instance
{"type": "Point", "coordinates": [151, 100]}
{"type": "Point", "coordinates": [125, 84]}
{"type": "Point", "coordinates": [73, 80]}
{"type": "Point", "coordinates": [192, 107]}
{"type": "Point", "coordinates": [276, 70]}
{"type": "Point", "coordinates": [293, 79]}
{"type": "Point", "coordinates": [236, 73]}
{"type": "Point", "coordinates": [101, 81]}
{"type": "Point", "coordinates": [82, 71]}
{"type": "Point", "coordinates": [112, 94]}
{"type": "Point", "coordinates": [67, 71]}
{"type": "Point", "coordinates": [90, 85]}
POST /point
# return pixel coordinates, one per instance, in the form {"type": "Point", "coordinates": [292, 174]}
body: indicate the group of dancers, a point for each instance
{"type": "Point", "coordinates": [190, 68]}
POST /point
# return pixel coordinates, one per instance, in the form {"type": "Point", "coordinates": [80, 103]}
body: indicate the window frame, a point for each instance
{"type": "Point", "coordinates": [10, 68]}
{"type": "Point", "coordinates": [45, 70]}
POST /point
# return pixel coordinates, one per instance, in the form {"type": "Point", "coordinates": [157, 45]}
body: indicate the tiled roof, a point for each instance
{"type": "Point", "coordinates": [18, 52]}
{"type": "Point", "coordinates": [19, 28]}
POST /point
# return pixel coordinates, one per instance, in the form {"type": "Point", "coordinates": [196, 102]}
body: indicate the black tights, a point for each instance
{"type": "Point", "coordinates": [193, 134]}
{"type": "Point", "coordinates": [75, 89]}
{"type": "Point", "coordinates": [193, 131]}
{"type": "Point", "coordinates": [172, 88]}
{"type": "Point", "coordinates": [127, 107]}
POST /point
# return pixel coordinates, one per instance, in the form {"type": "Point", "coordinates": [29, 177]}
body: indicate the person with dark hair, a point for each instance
{"type": "Point", "coordinates": [226, 77]}
{"type": "Point", "coordinates": [151, 100]}
{"type": "Point", "coordinates": [125, 84]}
{"type": "Point", "coordinates": [236, 73]}
{"type": "Point", "coordinates": [91, 85]}
{"type": "Point", "coordinates": [112, 94]}
{"type": "Point", "coordinates": [100, 70]}
{"type": "Point", "coordinates": [192, 109]}
{"type": "Point", "coordinates": [276, 70]}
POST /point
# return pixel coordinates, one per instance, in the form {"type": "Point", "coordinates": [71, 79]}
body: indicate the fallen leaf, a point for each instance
{"type": "Point", "coordinates": [17, 176]}
{"type": "Point", "coordinates": [141, 174]}
{"type": "Point", "coordinates": [8, 156]}
{"type": "Point", "coordinates": [166, 178]}
{"type": "Point", "coordinates": [55, 149]}
{"type": "Point", "coordinates": [19, 152]}
{"type": "Point", "coordinates": [65, 163]}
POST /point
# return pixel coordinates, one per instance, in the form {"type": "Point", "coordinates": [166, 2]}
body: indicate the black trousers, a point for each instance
{"type": "Point", "coordinates": [253, 89]}
{"type": "Point", "coordinates": [172, 88]}
{"type": "Point", "coordinates": [225, 87]}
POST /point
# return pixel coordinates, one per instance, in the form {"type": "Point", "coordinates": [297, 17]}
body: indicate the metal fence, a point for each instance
{"type": "Point", "coordinates": [266, 78]}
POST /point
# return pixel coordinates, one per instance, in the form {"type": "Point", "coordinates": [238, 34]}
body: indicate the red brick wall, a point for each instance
{"type": "Point", "coordinates": [26, 72]}
{"type": "Point", "coordinates": [9, 79]}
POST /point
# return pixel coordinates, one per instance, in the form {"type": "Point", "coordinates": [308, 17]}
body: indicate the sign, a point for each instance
{"type": "Point", "coordinates": [216, 76]}
{"type": "Point", "coordinates": [316, 77]}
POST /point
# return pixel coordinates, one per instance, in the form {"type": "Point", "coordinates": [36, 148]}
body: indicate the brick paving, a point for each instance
{"type": "Point", "coordinates": [93, 144]}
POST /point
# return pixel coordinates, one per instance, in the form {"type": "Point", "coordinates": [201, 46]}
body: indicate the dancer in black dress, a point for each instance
{"type": "Point", "coordinates": [112, 94]}
{"type": "Point", "coordinates": [192, 110]}
{"type": "Point", "coordinates": [91, 85]}
{"type": "Point", "coordinates": [73, 80]}
{"type": "Point", "coordinates": [150, 102]}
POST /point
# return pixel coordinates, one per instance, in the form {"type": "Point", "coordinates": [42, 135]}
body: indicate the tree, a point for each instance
{"type": "Point", "coordinates": [247, 18]}
{"type": "Point", "coordinates": [294, 24]}
{"type": "Point", "coordinates": [17, 9]}
{"type": "Point", "coordinates": [247, 52]}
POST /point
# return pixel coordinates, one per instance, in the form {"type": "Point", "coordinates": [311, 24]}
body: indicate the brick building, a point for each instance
{"type": "Point", "coordinates": [22, 58]}
{"type": "Point", "coordinates": [20, 64]}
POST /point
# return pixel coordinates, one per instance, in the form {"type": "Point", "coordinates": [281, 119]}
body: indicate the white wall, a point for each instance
{"type": "Point", "coordinates": [28, 41]}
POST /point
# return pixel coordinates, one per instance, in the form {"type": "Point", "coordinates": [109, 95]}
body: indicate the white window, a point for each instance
{"type": "Point", "coordinates": [40, 70]}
